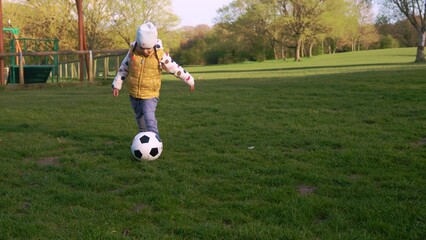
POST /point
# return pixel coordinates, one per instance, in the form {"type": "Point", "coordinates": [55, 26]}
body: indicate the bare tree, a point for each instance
{"type": "Point", "coordinates": [415, 12]}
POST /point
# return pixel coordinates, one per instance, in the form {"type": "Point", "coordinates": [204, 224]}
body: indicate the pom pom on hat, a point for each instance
{"type": "Point", "coordinates": [146, 35]}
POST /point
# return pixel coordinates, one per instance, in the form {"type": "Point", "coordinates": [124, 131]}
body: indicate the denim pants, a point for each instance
{"type": "Point", "coordinates": [145, 113]}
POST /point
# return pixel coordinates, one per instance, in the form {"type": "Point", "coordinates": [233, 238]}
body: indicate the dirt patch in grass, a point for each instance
{"type": "Point", "coordinates": [422, 142]}
{"type": "Point", "coordinates": [305, 190]}
{"type": "Point", "coordinates": [50, 161]}
{"type": "Point", "coordinates": [140, 207]}
{"type": "Point", "coordinates": [354, 177]}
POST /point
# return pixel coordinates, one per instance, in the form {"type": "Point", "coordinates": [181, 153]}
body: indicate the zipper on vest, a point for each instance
{"type": "Point", "coordinates": [141, 71]}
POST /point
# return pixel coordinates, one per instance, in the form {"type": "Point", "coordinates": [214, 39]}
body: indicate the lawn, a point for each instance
{"type": "Point", "coordinates": [332, 147]}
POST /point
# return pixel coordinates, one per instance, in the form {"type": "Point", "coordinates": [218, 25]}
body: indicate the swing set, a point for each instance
{"type": "Point", "coordinates": [37, 69]}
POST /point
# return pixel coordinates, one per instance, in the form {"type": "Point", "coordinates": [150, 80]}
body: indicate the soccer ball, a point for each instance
{"type": "Point", "coordinates": [146, 146]}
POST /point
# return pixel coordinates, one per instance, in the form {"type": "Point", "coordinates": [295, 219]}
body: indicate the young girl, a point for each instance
{"type": "Point", "coordinates": [142, 68]}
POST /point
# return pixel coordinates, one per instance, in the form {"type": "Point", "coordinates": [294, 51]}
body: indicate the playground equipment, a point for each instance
{"type": "Point", "coordinates": [34, 70]}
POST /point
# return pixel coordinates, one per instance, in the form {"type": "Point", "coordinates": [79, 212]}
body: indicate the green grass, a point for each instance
{"type": "Point", "coordinates": [332, 147]}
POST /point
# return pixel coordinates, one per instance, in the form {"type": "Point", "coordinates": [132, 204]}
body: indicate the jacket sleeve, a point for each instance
{"type": "Point", "coordinates": [123, 71]}
{"type": "Point", "coordinates": [170, 66]}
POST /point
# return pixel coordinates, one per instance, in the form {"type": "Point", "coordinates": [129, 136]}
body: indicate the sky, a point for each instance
{"type": "Point", "coordinates": [195, 12]}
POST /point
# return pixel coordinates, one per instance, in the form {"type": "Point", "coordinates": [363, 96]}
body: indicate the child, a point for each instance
{"type": "Point", "coordinates": [142, 66]}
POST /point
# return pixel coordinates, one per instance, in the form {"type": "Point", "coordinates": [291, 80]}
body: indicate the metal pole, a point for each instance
{"type": "Point", "coordinates": [2, 80]}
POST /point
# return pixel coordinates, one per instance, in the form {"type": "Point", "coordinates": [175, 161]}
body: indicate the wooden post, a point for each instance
{"type": "Point", "coordinates": [72, 69]}
{"type": "Point", "coordinates": [90, 68]}
{"type": "Point", "coordinates": [117, 64]}
{"type": "Point", "coordinates": [95, 67]}
{"type": "Point", "coordinates": [79, 70]}
{"type": "Point", "coordinates": [66, 70]}
{"type": "Point", "coordinates": [21, 69]}
{"type": "Point", "coordinates": [105, 68]}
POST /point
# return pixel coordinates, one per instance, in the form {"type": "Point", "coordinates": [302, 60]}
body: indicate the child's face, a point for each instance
{"type": "Point", "coordinates": [146, 51]}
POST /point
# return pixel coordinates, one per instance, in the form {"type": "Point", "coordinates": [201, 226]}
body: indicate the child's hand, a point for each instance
{"type": "Point", "coordinates": [192, 88]}
{"type": "Point", "coordinates": [115, 92]}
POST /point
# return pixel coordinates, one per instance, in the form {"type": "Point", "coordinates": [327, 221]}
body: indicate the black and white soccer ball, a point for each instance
{"type": "Point", "coordinates": [146, 146]}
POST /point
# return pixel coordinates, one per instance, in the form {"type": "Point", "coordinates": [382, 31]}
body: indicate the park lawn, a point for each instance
{"type": "Point", "coordinates": [332, 147]}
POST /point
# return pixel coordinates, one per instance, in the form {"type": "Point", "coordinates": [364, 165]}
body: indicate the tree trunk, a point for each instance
{"type": "Point", "coordinates": [420, 56]}
{"type": "Point", "coordinates": [298, 48]}
{"type": "Point", "coordinates": [311, 46]}
{"type": "Point", "coordinates": [283, 55]}
{"type": "Point", "coordinates": [275, 53]}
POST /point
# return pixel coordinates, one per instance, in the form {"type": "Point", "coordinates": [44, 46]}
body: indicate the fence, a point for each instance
{"type": "Point", "coordinates": [99, 64]}
{"type": "Point", "coordinates": [102, 66]}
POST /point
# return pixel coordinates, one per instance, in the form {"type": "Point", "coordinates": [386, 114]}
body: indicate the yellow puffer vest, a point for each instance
{"type": "Point", "coordinates": [145, 75]}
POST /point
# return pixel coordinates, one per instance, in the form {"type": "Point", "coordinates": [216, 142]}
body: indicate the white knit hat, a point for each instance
{"type": "Point", "coordinates": [146, 35]}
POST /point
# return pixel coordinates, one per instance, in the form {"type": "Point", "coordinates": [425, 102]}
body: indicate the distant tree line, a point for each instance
{"type": "Point", "coordinates": [256, 30]}
{"type": "Point", "coordinates": [244, 30]}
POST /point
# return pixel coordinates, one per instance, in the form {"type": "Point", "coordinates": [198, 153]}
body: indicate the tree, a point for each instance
{"type": "Point", "coordinates": [104, 20]}
{"type": "Point", "coordinates": [401, 31]}
{"type": "Point", "coordinates": [353, 30]}
{"type": "Point", "coordinates": [246, 23]}
{"type": "Point", "coordinates": [127, 15]}
{"type": "Point", "coordinates": [341, 23]}
{"type": "Point", "coordinates": [14, 15]}
{"type": "Point", "coordinates": [415, 12]}
{"type": "Point", "coordinates": [303, 20]}
{"type": "Point", "coordinates": [388, 42]}
{"type": "Point", "coordinates": [404, 32]}
{"type": "Point", "coordinates": [367, 34]}
{"type": "Point", "coordinates": [193, 46]}
{"type": "Point", "coordinates": [46, 20]}
{"type": "Point", "coordinates": [97, 19]}
{"type": "Point", "coordinates": [273, 25]}
{"type": "Point", "coordinates": [332, 22]}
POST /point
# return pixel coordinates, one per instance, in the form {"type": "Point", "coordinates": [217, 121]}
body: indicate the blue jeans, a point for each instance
{"type": "Point", "coordinates": [145, 113]}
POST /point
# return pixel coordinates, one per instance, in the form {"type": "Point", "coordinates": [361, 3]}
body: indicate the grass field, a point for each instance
{"type": "Point", "coordinates": [332, 147]}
